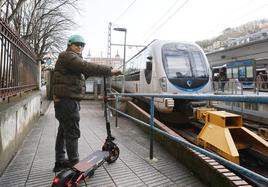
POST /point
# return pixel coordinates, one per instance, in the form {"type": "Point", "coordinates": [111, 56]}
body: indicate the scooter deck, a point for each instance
{"type": "Point", "coordinates": [92, 161]}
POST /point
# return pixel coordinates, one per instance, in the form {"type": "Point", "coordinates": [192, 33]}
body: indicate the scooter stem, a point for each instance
{"type": "Point", "coordinates": [105, 99]}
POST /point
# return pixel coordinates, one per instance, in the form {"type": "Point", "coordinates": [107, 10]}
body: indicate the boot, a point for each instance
{"type": "Point", "coordinates": [60, 165]}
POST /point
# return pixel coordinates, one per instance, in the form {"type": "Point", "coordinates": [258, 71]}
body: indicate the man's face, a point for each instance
{"type": "Point", "coordinates": [77, 47]}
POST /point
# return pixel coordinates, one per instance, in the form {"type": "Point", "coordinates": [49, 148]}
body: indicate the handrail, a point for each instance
{"type": "Point", "coordinates": [229, 98]}
{"type": "Point", "coordinates": [237, 168]}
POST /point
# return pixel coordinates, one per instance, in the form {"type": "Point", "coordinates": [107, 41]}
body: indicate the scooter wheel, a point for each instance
{"type": "Point", "coordinates": [113, 154]}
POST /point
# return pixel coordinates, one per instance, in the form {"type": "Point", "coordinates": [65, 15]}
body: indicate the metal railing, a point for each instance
{"type": "Point", "coordinates": [262, 86]}
{"type": "Point", "coordinates": [236, 87]}
{"type": "Point", "coordinates": [18, 67]}
{"type": "Point", "coordinates": [233, 98]}
{"type": "Point", "coordinates": [229, 87]}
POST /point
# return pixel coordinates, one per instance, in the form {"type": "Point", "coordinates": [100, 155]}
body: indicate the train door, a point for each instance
{"type": "Point", "coordinates": [216, 71]}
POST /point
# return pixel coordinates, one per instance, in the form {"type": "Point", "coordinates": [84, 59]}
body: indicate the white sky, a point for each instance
{"type": "Point", "coordinates": [145, 20]}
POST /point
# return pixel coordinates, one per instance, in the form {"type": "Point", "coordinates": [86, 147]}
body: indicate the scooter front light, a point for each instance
{"type": "Point", "coordinates": [56, 180]}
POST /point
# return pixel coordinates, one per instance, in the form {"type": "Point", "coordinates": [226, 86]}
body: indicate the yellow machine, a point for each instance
{"type": "Point", "coordinates": [224, 134]}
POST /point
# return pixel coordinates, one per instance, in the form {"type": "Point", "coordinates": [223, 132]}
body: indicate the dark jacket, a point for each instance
{"type": "Point", "coordinates": [70, 72]}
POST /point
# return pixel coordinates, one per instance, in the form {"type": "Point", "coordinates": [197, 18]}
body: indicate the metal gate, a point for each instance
{"type": "Point", "coordinates": [18, 66]}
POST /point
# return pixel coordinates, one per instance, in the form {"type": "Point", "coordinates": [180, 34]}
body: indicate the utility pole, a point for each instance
{"type": "Point", "coordinates": [124, 60]}
{"type": "Point", "coordinates": [109, 60]}
{"type": "Point", "coordinates": [109, 44]}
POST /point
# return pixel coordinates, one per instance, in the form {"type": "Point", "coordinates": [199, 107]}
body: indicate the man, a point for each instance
{"type": "Point", "coordinates": [222, 79]}
{"type": "Point", "coordinates": [260, 81]}
{"type": "Point", "coordinates": [68, 89]}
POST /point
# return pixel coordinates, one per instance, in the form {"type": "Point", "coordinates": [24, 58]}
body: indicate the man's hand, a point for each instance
{"type": "Point", "coordinates": [116, 72]}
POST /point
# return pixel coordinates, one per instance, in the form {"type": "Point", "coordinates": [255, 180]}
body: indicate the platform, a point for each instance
{"type": "Point", "coordinates": [251, 111]}
{"type": "Point", "coordinates": [33, 164]}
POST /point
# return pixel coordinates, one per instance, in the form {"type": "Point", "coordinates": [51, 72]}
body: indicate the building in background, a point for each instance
{"type": "Point", "coordinates": [94, 84]}
{"type": "Point", "coordinates": [115, 62]}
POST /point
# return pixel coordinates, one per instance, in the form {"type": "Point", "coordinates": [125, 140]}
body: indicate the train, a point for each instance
{"type": "Point", "coordinates": [245, 71]}
{"type": "Point", "coordinates": [167, 67]}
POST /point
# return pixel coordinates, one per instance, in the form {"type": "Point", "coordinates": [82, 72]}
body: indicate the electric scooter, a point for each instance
{"type": "Point", "coordinates": [70, 177]}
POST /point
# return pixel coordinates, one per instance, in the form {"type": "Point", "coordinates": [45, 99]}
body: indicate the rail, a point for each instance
{"type": "Point", "coordinates": [236, 168]}
{"type": "Point", "coordinates": [240, 87]}
{"type": "Point", "coordinates": [18, 66]}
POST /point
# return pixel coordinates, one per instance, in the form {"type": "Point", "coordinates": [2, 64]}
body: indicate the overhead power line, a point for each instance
{"type": "Point", "coordinates": [173, 14]}
{"type": "Point", "coordinates": [124, 12]}
{"type": "Point", "coordinates": [251, 12]}
{"type": "Point", "coordinates": [235, 10]}
{"type": "Point", "coordinates": [161, 18]}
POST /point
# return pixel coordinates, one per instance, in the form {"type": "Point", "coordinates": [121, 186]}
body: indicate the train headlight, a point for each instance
{"type": "Point", "coordinates": [169, 102]}
{"type": "Point", "coordinates": [163, 83]}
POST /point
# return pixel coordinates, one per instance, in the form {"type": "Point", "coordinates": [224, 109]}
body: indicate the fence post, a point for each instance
{"type": "Point", "coordinates": [116, 111]}
{"type": "Point", "coordinates": [151, 127]}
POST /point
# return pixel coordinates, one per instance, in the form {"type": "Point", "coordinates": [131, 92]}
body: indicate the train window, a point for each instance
{"type": "Point", "coordinates": [229, 73]}
{"type": "Point", "coordinates": [178, 66]}
{"type": "Point", "coordinates": [176, 60]}
{"type": "Point", "coordinates": [183, 60]}
{"type": "Point", "coordinates": [235, 73]}
{"type": "Point", "coordinates": [242, 72]}
{"type": "Point", "coordinates": [148, 72]}
{"type": "Point", "coordinates": [249, 70]}
{"type": "Point", "coordinates": [198, 65]}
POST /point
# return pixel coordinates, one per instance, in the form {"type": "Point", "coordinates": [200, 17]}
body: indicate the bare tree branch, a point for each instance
{"type": "Point", "coordinates": [15, 11]}
{"type": "Point", "coordinates": [42, 23]}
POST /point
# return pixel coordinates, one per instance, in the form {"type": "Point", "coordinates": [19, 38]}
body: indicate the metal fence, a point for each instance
{"type": "Point", "coordinates": [18, 67]}
{"type": "Point", "coordinates": [228, 98]}
{"type": "Point", "coordinates": [236, 87]}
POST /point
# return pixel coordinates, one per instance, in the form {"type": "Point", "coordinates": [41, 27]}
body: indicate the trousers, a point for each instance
{"type": "Point", "coordinates": [67, 113]}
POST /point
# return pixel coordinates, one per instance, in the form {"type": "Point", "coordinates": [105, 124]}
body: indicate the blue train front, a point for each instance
{"type": "Point", "coordinates": [167, 67]}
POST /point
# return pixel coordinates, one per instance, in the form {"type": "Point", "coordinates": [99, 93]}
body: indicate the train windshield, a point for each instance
{"type": "Point", "coordinates": [181, 60]}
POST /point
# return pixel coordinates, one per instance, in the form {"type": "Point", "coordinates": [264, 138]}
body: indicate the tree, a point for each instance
{"type": "Point", "coordinates": [15, 9]}
{"type": "Point", "coordinates": [42, 23]}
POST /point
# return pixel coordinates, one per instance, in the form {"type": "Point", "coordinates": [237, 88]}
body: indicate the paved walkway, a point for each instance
{"type": "Point", "coordinates": [44, 101]}
{"type": "Point", "coordinates": [32, 166]}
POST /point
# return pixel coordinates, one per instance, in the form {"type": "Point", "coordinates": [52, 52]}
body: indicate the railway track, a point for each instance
{"type": "Point", "coordinates": [249, 160]}
{"type": "Point", "coordinates": [260, 129]}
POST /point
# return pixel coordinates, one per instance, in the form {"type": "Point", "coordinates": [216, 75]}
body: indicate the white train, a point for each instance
{"type": "Point", "coordinates": [167, 67]}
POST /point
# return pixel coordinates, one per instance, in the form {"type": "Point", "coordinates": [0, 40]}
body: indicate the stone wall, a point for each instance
{"type": "Point", "coordinates": [16, 120]}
